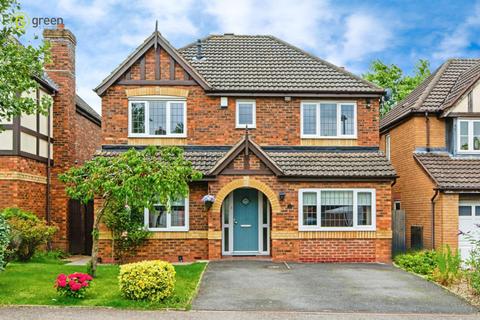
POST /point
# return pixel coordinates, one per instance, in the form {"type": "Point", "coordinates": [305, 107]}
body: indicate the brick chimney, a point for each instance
{"type": "Point", "coordinates": [61, 70]}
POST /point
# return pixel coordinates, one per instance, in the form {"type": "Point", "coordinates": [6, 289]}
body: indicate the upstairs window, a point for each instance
{"type": "Point", "coordinates": [157, 118]}
{"type": "Point", "coordinates": [328, 120]}
{"type": "Point", "coordinates": [245, 114]}
{"type": "Point", "coordinates": [469, 136]}
{"type": "Point", "coordinates": [387, 146]}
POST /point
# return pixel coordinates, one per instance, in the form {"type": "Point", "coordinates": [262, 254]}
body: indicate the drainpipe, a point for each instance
{"type": "Point", "coordinates": [427, 125]}
{"type": "Point", "coordinates": [432, 200]}
{"type": "Point", "coordinates": [49, 142]}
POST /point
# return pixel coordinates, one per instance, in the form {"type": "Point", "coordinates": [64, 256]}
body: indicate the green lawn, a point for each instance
{"type": "Point", "coordinates": [32, 283]}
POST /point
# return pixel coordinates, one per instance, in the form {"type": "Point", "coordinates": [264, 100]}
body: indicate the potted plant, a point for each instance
{"type": "Point", "coordinates": [208, 200]}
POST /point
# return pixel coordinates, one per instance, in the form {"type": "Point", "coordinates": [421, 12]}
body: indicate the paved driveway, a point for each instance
{"type": "Point", "coordinates": [266, 286]}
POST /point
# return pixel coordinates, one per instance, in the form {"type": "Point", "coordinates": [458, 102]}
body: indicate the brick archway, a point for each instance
{"type": "Point", "coordinates": [242, 183]}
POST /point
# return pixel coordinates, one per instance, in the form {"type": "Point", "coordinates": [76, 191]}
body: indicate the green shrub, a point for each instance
{"type": "Point", "coordinates": [448, 266]}
{"type": "Point", "coordinates": [4, 240]}
{"type": "Point", "coordinates": [49, 256]}
{"type": "Point", "coordinates": [9, 213]}
{"type": "Point", "coordinates": [421, 262]}
{"type": "Point", "coordinates": [27, 233]}
{"type": "Point", "coordinates": [147, 280]}
{"type": "Point", "coordinates": [474, 278]}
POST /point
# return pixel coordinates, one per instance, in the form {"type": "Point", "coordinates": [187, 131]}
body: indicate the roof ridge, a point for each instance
{"type": "Point", "coordinates": [337, 68]}
{"type": "Point", "coordinates": [193, 43]}
{"type": "Point", "coordinates": [433, 82]}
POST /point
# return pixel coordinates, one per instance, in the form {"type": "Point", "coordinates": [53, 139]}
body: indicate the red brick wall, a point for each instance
{"type": "Point", "coordinates": [76, 138]}
{"type": "Point", "coordinates": [170, 249]}
{"type": "Point", "coordinates": [277, 121]}
{"type": "Point", "coordinates": [62, 71]}
{"type": "Point", "coordinates": [337, 250]}
{"type": "Point", "coordinates": [88, 138]}
{"type": "Point", "coordinates": [161, 249]}
{"type": "Point", "coordinates": [26, 195]}
{"type": "Point", "coordinates": [303, 250]}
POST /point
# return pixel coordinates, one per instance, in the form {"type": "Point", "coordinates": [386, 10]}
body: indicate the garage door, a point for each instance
{"type": "Point", "coordinates": [469, 225]}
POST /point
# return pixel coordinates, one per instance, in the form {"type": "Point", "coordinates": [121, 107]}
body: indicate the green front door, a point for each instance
{"type": "Point", "coordinates": [245, 221]}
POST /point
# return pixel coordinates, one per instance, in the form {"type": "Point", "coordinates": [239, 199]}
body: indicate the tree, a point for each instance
{"type": "Point", "coordinates": [391, 77]}
{"type": "Point", "coordinates": [19, 65]}
{"type": "Point", "coordinates": [136, 179]}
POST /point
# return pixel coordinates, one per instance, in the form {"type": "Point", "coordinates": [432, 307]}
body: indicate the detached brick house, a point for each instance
{"type": "Point", "coordinates": [433, 141]}
{"type": "Point", "coordinates": [34, 149]}
{"type": "Point", "coordinates": [305, 182]}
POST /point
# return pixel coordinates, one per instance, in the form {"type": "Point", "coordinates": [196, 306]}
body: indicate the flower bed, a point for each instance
{"type": "Point", "coordinates": [74, 285]}
{"type": "Point", "coordinates": [444, 267]}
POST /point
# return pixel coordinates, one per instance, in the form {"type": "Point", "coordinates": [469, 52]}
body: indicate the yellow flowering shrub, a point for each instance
{"type": "Point", "coordinates": [147, 280]}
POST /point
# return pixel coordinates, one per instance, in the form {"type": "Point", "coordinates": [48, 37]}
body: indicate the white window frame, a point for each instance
{"type": "Point", "coordinates": [318, 226]}
{"type": "Point", "coordinates": [388, 147]}
{"type": "Point", "coordinates": [397, 203]}
{"type": "Point", "coordinates": [339, 122]}
{"type": "Point", "coordinates": [146, 101]}
{"type": "Point", "coordinates": [169, 227]}
{"type": "Point", "coordinates": [470, 135]}
{"type": "Point", "coordinates": [472, 204]}
{"type": "Point", "coordinates": [254, 115]}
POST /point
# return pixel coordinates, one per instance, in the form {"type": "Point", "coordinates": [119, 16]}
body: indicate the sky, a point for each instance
{"type": "Point", "coordinates": [347, 33]}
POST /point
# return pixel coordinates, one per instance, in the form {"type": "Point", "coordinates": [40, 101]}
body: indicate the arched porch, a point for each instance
{"type": "Point", "coordinates": [245, 209]}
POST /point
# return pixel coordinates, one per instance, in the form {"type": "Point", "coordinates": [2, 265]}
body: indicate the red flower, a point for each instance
{"type": "Point", "coordinates": [61, 283]}
{"type": "Point", "coordinates": [76, 286]}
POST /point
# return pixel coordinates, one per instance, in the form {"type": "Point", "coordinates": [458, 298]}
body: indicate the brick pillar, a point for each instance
{"type": "Point", "coordinates": [446, 221]}
{"type": "Point", "coordinates": [215, 234]}
{"type": "Point", "coordinates": [62, 71]}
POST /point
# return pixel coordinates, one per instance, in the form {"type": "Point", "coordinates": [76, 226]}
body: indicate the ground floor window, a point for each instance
{"type": "Point", "coordinates": [159, 219]}
{"type": "Point", "coordinates": [336, 209]}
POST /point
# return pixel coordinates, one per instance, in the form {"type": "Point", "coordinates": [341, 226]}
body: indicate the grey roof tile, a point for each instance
{"type": "Point", "coordinates": [265, 63]}
{"type": "Point", "coordinates": [295, 161]}
{"type": "Point", "coordinates": [451, 173]}
{"type": "Point", "coordinates": [333, 164]}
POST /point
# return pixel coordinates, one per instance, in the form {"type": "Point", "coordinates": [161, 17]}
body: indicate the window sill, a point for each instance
{"type": "Point", "coordinates": [243, 128]}
{"type": "Point", "coordinates": [329, 137]}
{"type": "Point", "coordinates": [168, 229]}
{"type": "Point", "coordinates": [157, 137]}
{"type": "Point", "coordinates": [316, 229]}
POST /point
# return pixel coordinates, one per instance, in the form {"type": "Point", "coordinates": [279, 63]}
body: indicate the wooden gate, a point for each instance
{"type": "Point", "coordinates": [80, 227]}
{"type": "Point", "coordinates": [398, 229]}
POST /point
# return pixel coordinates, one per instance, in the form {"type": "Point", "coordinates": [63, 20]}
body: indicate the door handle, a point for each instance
{"type": "Point", "coordinates": [235, 222]}
{"type": "Point", "coordinates": [245, 225]}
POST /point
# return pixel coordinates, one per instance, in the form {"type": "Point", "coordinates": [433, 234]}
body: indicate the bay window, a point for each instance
{"type": "Point", "coordinates": [336, 209]}
{"type": "Point", "coordinates": [328, 119]}
{"type": "Point", "coordinates": [158, 219]}
{"type": "Point", "coordinates": [469, 135]}
{"type": "Point", "coordinates": [157, 118]}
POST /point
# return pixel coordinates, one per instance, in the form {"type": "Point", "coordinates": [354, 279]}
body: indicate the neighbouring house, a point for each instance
{"type": "Point", "coordinates": [433, 140]}
{"type": "Point", "coordinates": [288, 145]}
{"type": "Point", "coordinates": [34, 149]}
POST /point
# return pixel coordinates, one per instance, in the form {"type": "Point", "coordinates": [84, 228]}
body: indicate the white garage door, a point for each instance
{"type": "Point", "coordinates": [469, 224]}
